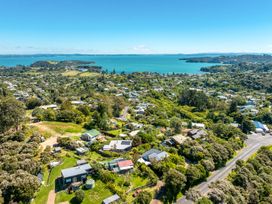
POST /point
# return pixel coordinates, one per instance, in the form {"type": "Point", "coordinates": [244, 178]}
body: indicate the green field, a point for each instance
{"type": "Point", "coordinates": [49, 180]}
{"type": "Point", "coordinates": [92, 196]}
{"type": "Point", "coordinates": [62, 128]}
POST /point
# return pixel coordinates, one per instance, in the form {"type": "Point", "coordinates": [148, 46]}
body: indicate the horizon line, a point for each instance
{"type": "Point", "coordinates": [86, 54]}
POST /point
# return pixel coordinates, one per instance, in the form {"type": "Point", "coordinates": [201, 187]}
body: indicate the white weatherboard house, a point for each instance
{"type": "Point", "coordinates": [118, 145]}
{"type": "Point", "coordinates": [198, 125]}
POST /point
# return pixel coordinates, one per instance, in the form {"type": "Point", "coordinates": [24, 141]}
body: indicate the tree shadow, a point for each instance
{"type": "Point", "coordinates": [58, 185]}
{"type": "Point", "coordinates": [74, 201]}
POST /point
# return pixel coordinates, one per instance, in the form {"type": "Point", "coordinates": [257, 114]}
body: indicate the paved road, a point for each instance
{"type": "Point", "coordinates": [254, 142]}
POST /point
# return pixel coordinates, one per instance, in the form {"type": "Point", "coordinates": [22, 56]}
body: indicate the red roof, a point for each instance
{"type": "Point", "coordinates": [125, 163]}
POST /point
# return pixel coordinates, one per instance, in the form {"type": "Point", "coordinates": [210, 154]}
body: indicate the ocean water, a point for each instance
{"type": "Point", "coordinates": [126, 63]}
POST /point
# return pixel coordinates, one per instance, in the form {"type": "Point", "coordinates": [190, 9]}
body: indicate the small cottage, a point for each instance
{"type": "Point", "coordinates": [90, 135]}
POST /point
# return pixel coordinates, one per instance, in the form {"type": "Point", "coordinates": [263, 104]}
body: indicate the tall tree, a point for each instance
{"type": "Point", "coordinates": [174, 183]}
{"type": "Point", "coordinates": [195, 98]}
{"type": "Point", "coordinates": [144, 197]}
{"type": "Point", "coordinates": [12, 113]}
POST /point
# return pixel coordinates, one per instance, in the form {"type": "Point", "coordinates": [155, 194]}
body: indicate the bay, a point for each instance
{"type": "Point", "coordinates": [127, 63]}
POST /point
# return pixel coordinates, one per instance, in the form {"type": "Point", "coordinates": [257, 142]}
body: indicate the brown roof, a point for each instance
{"type": "Point", "coordinates": [125, 163]}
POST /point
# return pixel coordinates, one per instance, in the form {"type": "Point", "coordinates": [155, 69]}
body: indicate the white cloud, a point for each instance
{"type": "Point", "coordinates": [142, 49]}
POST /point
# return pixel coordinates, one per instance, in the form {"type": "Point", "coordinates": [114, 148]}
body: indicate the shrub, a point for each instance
{"type": "Point", "coordinates": [79, 196]}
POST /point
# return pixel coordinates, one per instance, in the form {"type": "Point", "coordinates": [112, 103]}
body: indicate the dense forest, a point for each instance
{"type": "Point", "coordinates": [241, 67]}
{"type": "Point", "coordinates": [250, 182]}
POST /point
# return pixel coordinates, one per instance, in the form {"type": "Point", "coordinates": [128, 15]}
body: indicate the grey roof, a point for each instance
{"type": "Point", "coordinates": [71, 172]}
{"type": "Point", "coordinates": [111, 199]}
{"type": "Point", "coordinates": [80, 162]}
{"type": "Point", "coordinates": [82, 149]}
{"type": "Point", "coordinates": [198, 134]}
{"type": "Point", "coordinates": [75, 171]}
{"type": "Point", "coordinates": [149, 152]}
{"type": "Point", "coordinates": [85, 167]}
{"type": "Point", "coordinates": [118, 145]}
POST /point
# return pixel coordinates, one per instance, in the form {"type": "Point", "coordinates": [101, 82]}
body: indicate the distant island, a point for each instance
{"type": "Point", "coordinates": [241, 67]}
{"type": "Point", "coordinates": [234, 59]}
{"type": "Point", "coordinates": [68, 64]}
{"type": "Point", "coordinates": [236, 63]}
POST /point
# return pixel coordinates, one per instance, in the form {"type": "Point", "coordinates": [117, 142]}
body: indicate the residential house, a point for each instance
{"type": "Point", "coordinates": [120, 165]}
{"type": "Point", "coordinates": [51, 106]}
{"type": "Point", "coordinates": [81, 162]}
{"type": "Point", "coordinates": [249, 109]}
{"type": "Point", "coordinates": [260, 127]}
{"type": "Point", "coordinates": [57, 150]}
{"type": "Point", "coordinates": [76, 103]}
{"type": "Point", "coordinates": [90, 135]}
{"type": "Point", "coordinates": [81, 150]}
{"type": "Point", "coordinates": [123, 135]}
{"type": "Point", "coordinates": [198, 125]}
{"type": "Point", "coordinates": [134, 126]}
{"type": "Point", "coordinates": [75, 174]}
{"type": "Point", "coordinates": [54, 164]}
{"type": "Point", "coordinates": [153, 155]}
{"type": "Point", "coordinates": [178, 139]}
{"type": "Point", "coordinates": [196, 133]}
{"type": "Point", "coordinates": [134, 133]}
{"type": "Point", "coordinates": [118, 145]}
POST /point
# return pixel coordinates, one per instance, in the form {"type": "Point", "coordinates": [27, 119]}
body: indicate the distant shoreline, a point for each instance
{"type": "Point", "coordinates": [140, 54]}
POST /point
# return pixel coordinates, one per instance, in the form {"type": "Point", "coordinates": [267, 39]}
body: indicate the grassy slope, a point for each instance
{"type": "Point", "coordinates": [92, 196]}
{"type": "Point", "coordinates": [49, 129]}
{"type": "Point", "coordinates": [49, 180]}
{"type": "Point", "coordinates": [62, 128]}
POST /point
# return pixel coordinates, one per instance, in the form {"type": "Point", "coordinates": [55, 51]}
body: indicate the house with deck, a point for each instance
{"type": "Point", "coordinates": [118, 145]}
{"type": "Point", "coordinates": [120, 165]}
{"type": "Point", "coordinates": [75, 174]}
{"type": "Point", "coordinates": [153, 155]}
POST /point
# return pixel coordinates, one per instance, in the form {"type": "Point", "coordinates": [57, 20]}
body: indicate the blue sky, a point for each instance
{"type": "Point", "coordinates": [135, 26]}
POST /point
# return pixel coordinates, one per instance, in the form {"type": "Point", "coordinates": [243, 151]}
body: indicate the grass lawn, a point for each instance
{"type": "Point", "coordinates": [89, 74]}
{"type": "Point", "coordinates": [75, 137]}
{"type": "Point", "coordinates": [49, 180]}
{"type": "Point", "coordinates": [71, 73]}
{"type": "Point", "coordinates": [94, 156]}
{"type": "Point", "coordinates": [116, 133]}
{"type": "Point", "coordinates": [92, 196]}
{"type": "Point", "coordinates": [29, 113]}
{"type": "Point", "coordinates": [138, 181]}
{"type": "Point", "coordinates": [62, 127]}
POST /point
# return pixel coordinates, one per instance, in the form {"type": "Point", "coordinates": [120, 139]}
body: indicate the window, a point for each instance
{"type": "Point", "coordinates": [68, 180]}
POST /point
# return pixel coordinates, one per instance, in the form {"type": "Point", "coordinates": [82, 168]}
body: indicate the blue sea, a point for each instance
{"type": "Point", "coordinates": [126, 63]}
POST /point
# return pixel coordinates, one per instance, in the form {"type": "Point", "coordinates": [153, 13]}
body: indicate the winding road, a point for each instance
{"type": "Point", "coordinates": [254, 142]}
